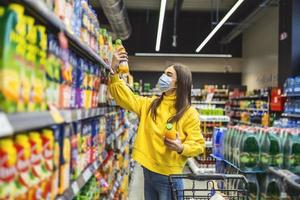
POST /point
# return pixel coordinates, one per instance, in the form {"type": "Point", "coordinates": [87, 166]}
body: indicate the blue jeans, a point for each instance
{"type": "Point", "coordinates": [156, 186]}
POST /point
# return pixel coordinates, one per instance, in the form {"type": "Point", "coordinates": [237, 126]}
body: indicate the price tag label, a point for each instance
{"type": "Point", "coordinates": [79, 114]}
{"type": "Point", "coordinates": [87, 175]}
{"type": "Point", "coordinates": [75, 188]}
{"type": "Point", "coordinates": [209, 97]}
{"type": "Point", "coordinates": [56, 115]}
{"type": "Point", "coordinates": [6, 127]}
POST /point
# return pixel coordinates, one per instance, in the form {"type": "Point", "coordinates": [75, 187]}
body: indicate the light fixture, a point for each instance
{"type": "Point", "coordinates": [183, 55]}
{"type": "Point", "coordinates": [220, 24]}
{"type": "Point", "coordinates": [162, 11]}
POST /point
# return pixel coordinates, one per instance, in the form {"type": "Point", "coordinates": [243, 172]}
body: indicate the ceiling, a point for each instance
{"type": "Point", "coordinates": [188, 5]}
{"type": "Point", "coordinates": [195, 21]}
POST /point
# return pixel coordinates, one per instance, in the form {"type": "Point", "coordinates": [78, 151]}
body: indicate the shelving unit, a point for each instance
{"type": "Point", "coordinates": [235, 109]}
{"type": "Point", "coordinates": [39, 10]}
{"type": "Point", "coordinates": [76, 186]}
{"type": "Point", "coordinates": [19, 122]}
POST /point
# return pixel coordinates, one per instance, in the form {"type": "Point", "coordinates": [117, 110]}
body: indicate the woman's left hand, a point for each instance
{"type": "Point", "coordinates": [174, 145]}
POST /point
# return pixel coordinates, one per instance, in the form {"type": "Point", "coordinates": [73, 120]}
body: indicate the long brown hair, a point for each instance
{"type": "Point", "coordinates": [183, 92]}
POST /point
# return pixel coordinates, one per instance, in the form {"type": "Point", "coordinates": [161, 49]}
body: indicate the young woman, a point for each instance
{"type": "Point", "coordinates": [158, 155]}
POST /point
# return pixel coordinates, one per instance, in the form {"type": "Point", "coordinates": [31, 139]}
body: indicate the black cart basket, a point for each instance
{"type": "Point", "coordinates": [205, 186]}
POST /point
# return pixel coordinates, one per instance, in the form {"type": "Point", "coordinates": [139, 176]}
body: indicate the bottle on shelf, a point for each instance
{"type": "Point", "coordinates": [123, 66]}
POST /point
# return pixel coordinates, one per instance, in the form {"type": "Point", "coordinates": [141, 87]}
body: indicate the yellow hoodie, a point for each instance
{"type": "Point", "coordinates": [149, 149]}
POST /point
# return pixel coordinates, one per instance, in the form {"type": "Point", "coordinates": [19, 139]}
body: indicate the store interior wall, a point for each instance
{"type": "Point", "coordinates": [218, 65]}
{"type": "Point", "coordinates": [216, 71]}
{"type": "Point", "coordinates": [199, 78]}
{"type": "Point", "coordinates": [260, 51]}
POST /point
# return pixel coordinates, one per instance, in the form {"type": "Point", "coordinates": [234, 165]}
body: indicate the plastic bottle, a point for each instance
{"type": "Point", "coordinates": [123, 66]}
{"type": "Point", "coordinates": [170, 132]}
{"type": "Point", "coordinates": [271, 188]}
{"type": "Point", "coordinates": [292, 151]}
{"type": "Point", "coordinates": [23, 181]}
{"type": "Point", "coordinates": [12, 57]}
{"type": "Point", "coordinates": [7, 168]}
{"type": "Point", "coordinates": [249, 150]}
{"type": "Point", "coordinates": [254, 187]}
{"type": "Point", "coordinates": [271, 148]}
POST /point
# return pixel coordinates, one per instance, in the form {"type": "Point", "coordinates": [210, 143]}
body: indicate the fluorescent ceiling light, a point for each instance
{"type": "Point", "coordinates": [220, 24]}
{"type": "Point", "coordinates": [184, 55]}
{"type": "Point", "coordinates": [162, 11]}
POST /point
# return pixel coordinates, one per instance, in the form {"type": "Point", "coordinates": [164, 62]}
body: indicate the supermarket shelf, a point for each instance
{"type": "Point", "coordinates": [196, 170]}
{"type": "Point", "coordinates": [208, 118]}
{"type": "Point", "coordinates": [76, 186]}
{"type": "Point", "coordinates": [291, 95]}
{"type": "Point", "coordinates": [39, 10]}
{"type": "Point", "coordinates": [290, 115]}
{"type": "Point", "coordinates": [80, 114]}
{"type": "Point", "coordinates": [13, 123]}
{"type": "Point", "coordinates": [250, 109]}
{"type": "Point", "coordinates": [246, 123]}
{"type": "Point", "coordinates": [237, 168]}
{"type": "Point", "coordinates": [115, 135]}
{"type": "Point", "coordinates": [19, 122]}
{"type": "Point", "coordinates": [249, 97]}
{"type": "Point", "coordinates": [213, 102]}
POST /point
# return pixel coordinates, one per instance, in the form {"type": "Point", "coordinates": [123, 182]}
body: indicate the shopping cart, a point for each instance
{"type": "Point", "coordinates": [205, 186]}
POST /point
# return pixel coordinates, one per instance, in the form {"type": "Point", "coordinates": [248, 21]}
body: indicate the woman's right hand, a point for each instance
{"type": "Point", "coordinates": [118, 56]}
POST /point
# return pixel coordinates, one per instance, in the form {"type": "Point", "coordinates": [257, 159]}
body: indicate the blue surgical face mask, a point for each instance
{"type": "Point", "coordinates": [164, 83]}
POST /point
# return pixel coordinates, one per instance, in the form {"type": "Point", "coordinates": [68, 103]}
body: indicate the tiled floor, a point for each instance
{"type": "Point", "coordinates": [136, 189]}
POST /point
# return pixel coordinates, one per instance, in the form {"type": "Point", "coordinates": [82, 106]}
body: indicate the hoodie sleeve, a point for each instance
{"type": "Point", "coordinates": [124, 96]}
{"type": "Point", "coordinates": [194, 143]}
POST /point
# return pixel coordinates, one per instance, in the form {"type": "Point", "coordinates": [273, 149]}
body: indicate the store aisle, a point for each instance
{"type": "Point", "coordinates": [136, 189]}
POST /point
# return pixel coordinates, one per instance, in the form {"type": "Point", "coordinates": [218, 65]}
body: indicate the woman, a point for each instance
{"type": "Point", "coordinates": [160, 156]}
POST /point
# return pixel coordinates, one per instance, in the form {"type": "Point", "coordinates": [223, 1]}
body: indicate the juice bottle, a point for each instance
{"type": "Point", "coordinates": [40, 78]}
{"type": "Point", "coordinates": [265, 120]}
{"type": "Point", "coordinates": [12, 57]}
{"type": "Point", "coordinates": [31, 57]}
{"type": "Point", "coordinates": [56, 162]}
{"type": "Point", "coordinates": [36, 173]}
{"type": "Point", "coordinates": [170, 132]}
{"type": "Point", "coordinates": [48, 153]}
{"type": "Point", "coordinates": [75, 136]}
{"type": "Point", "coordinates": [292, 151]}
{"type": "Point", "coordinates": [123, 66]}
{"type": "Point", "coordinates": [23, 181]}
{"type": "Point", "coordinates": [8, 157]}
{"type": "Point", "coordinates": [65, 159]}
